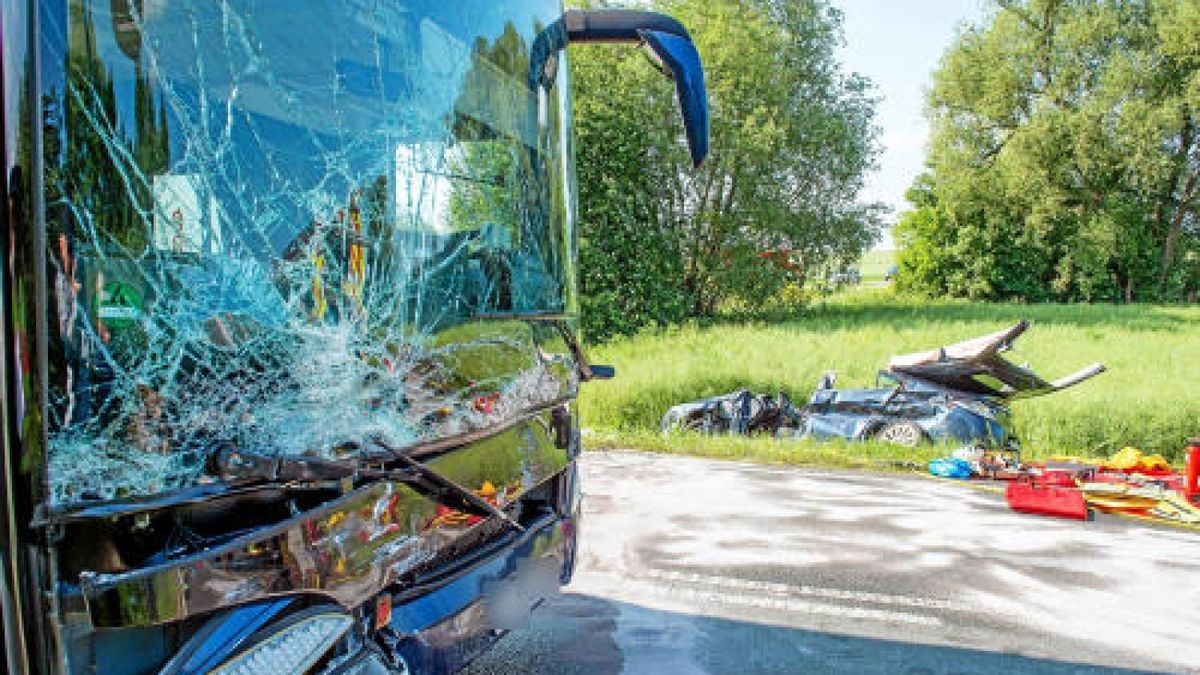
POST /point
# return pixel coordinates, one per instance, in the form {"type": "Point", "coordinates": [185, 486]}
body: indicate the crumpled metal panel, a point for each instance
{"type": "Point", "coordinates": [279, 228]}
{"type": "Point", "coordinates": [348, 550]}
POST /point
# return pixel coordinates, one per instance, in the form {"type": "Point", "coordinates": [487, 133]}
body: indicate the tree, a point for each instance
{"type": "Point", "coordinates": [1064, 159]}
{"type": "Point", "coordinates": [792, 138]}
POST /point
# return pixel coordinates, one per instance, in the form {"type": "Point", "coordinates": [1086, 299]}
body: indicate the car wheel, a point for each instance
{"type": "Point", "coordinates": [901, 433]}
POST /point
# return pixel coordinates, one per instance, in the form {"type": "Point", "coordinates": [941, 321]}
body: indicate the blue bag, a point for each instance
{"type": "Point", "coordinates": [950, 467]}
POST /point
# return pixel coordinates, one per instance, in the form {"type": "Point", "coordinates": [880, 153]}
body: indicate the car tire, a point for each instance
{"type": "Point", "coordinates": [907, 434]}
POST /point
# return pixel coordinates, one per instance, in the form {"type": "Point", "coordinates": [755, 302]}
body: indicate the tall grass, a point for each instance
{"type": "Point", "coordinates": [1149, 398]}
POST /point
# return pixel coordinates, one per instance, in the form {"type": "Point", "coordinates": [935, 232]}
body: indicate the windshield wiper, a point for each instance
{"type": "Point", "coordinates": [445, 491]}
{"type": "Point", "coordinates": [239, 466]}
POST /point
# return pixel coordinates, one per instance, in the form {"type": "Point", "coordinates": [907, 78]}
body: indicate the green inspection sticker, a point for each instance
{"type": "Point", "coordinates": [121, 305]}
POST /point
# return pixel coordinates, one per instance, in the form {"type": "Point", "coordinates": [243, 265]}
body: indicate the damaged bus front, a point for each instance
{"type": "Point", "coordinates": [288, 352]}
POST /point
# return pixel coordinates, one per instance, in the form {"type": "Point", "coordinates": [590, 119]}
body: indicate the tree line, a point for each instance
{"type": "Point", "coordinates": [793, 136]}
{"type": "Point", "coordinates": [1064, 160]}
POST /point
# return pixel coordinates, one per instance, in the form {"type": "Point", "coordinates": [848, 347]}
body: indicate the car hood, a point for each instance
{"type": "Point", "coordinates": [978, 367]}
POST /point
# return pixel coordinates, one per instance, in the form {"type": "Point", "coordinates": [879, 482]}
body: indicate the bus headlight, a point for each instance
{"type": "Point", "coordinates": [291, 649]}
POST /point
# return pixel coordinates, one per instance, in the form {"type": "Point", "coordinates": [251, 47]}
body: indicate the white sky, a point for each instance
{"type": "Point", "coordinates": [897, 45]}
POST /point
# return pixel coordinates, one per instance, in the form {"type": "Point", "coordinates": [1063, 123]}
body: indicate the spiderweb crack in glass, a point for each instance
{"type": "Point", "coordinates": [274, 227]}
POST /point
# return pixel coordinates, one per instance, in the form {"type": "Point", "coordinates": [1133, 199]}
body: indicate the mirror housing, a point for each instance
{"type": "Point", "coordinates": [679, 56]}
{"type": "Point", "coordinates": [666, 39]}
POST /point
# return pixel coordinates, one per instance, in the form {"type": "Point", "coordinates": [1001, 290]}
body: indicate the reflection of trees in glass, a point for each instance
{"type": "Point", "coordinates": [98, 175]}
{"type": "Point", "coordinates": [494, 96]}
{"type": "Point", "coordinates": [103, 174]}
{"type": "Point", "coordinates": [492, 110]}
{"type": "Point", "coordinates": [501, 188]}
{"type": "Point", "coordinates": [484, 176]}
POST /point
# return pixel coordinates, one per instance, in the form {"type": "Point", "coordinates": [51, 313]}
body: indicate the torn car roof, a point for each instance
{"type": "Point", "coordinates": [977, 366]}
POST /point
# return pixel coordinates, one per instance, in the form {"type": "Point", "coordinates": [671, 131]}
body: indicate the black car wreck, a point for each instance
{"type": "Point", "coordinates": [958, 393]}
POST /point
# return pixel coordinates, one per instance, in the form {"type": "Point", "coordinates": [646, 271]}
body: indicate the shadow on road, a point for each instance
{"type": "Point", "coordinates": [580, 634]}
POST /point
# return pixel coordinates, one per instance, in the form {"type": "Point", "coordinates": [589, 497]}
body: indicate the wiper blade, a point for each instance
{"type": "Point", "coordinates": [442, 488]}
{"type": "Point", "coordinates": [238, 466]}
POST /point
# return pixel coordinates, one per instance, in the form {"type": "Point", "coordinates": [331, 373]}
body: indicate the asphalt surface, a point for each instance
{"type": "Point", "coordinates": [694, 566]}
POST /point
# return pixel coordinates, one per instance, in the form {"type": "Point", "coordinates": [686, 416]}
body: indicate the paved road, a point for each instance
{"type": "Point", "coordinates": [699, 567]}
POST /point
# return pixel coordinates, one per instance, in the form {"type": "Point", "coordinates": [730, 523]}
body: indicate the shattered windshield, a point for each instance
{"type": "Point", "coordinates": [291, 227]}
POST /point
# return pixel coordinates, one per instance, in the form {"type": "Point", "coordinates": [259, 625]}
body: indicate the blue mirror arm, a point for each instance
{"type": "Point", "coordinates": [604, 25]}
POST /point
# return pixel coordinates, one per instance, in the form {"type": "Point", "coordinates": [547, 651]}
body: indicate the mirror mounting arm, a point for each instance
{"type": "Point", "coordinates": [663, 36]}
{"type": "Point", "coordinates": [617, 25]}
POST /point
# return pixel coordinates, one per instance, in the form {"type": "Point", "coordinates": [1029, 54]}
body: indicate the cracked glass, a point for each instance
{"type": "Point", "coordinates": [294, 228]}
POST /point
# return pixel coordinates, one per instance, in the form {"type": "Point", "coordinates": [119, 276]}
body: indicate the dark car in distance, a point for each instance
{"type": "Point", "coordinates": [958, 393]}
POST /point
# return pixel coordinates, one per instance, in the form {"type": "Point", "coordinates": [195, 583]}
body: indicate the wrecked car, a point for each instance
{"type": "Point", "coordinates": [740, 412]}
{"type": "Point", "coordinates": [288, 328]}
{"type": "Point", "coordinates": [958, 393]}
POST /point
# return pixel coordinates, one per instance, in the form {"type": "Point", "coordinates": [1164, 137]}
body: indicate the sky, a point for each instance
{"type": "Point", "coordinates": [897, 45]}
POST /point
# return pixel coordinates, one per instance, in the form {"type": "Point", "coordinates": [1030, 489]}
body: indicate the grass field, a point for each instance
{"type": "Point", "coordinates": [874, 264]}
{"type": "Point", "coordinates": [1150, 398]}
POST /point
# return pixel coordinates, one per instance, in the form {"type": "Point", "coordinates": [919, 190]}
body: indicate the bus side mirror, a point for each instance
{"type": "Point", "coordinates": [666, 39]}
{"type": "Point", "coordinates": [681, 60]}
